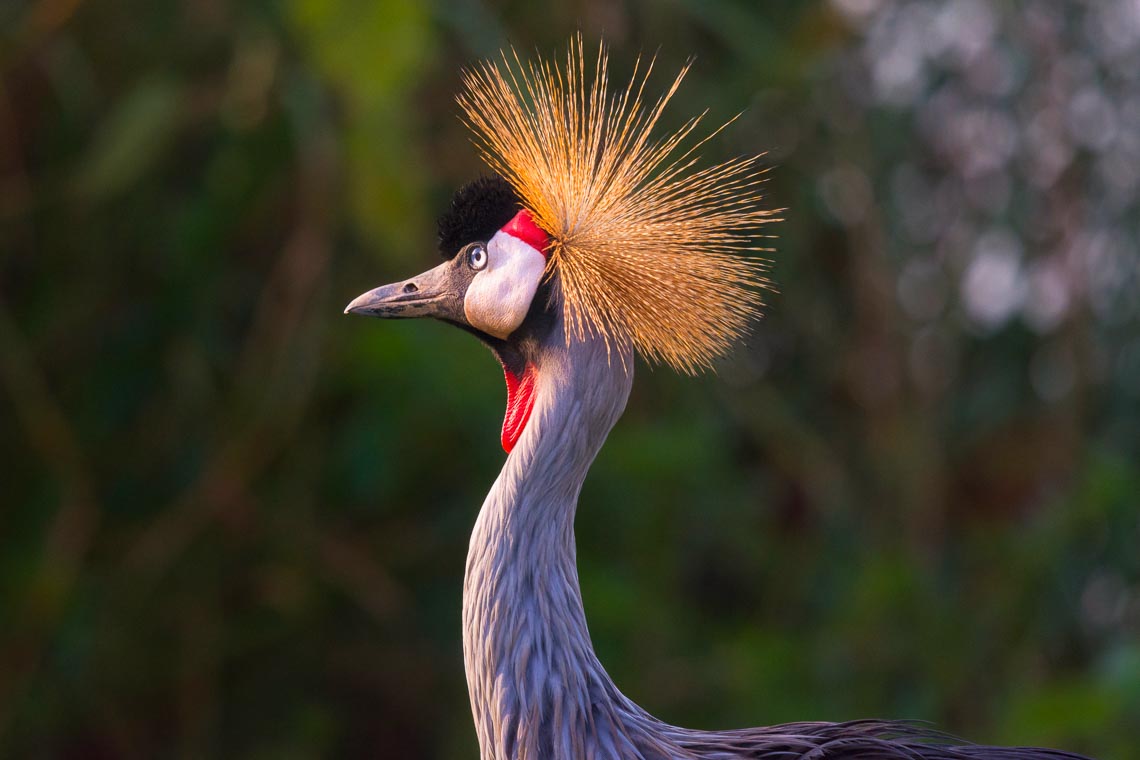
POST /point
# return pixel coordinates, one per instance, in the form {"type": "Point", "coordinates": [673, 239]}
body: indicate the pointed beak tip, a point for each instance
{"type": "Point", "coordinates": [355, 305]}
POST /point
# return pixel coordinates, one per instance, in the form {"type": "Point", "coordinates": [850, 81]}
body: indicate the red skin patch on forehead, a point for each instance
{"type": "Point", "coordinates": [524, 228]}
{"type": "Point", "coordinates": [520, 402]}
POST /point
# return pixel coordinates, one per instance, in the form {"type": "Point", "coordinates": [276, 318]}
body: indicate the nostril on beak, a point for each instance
{"type": "Point", "coordinates": [410, 288]}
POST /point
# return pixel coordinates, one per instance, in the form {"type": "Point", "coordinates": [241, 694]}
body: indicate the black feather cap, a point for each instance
{"type": "Point", "coordinates": [478, 210]}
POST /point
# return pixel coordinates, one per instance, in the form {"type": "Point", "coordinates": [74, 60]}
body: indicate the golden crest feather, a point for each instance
{"type": "Point", "coordinates": [651, 250]}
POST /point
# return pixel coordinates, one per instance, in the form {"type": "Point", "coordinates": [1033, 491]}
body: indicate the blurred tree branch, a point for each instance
{"type": "Point", "coordinates": [260, 417]}
{"type": "Point", "coordinates": [73, 528]}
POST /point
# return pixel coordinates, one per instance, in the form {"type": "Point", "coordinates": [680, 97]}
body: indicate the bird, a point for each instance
{"type": "Point", "coordinates": [591, 241]}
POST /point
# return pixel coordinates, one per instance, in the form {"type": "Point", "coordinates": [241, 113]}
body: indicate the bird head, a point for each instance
{"type": "Point", "coordinates": [491, 284]}
{"type": "Point", "coordinates": [494, 261]}
{"type": "Point", "coordinates": [592, 219]}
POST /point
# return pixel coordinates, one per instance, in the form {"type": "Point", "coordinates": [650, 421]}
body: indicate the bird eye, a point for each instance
{"type": "Point", "coordinates": [477, 257]}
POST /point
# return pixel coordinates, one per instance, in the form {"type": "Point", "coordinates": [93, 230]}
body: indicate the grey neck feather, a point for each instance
{"type": "Point", "coordinates": [538, 691]}
{"type": "Point", "coordinates": [537, 688]}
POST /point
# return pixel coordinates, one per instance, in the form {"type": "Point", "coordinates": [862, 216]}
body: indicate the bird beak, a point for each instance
{"type": "Point", "coordinates": [436, 293]}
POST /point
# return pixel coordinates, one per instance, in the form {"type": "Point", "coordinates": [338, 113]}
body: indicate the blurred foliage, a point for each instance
{"type": "Point", "coordinates": [235, 522]}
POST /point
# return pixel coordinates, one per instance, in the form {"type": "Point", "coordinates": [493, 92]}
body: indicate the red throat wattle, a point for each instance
{"type": "Point", "coordinates": [520, 401]}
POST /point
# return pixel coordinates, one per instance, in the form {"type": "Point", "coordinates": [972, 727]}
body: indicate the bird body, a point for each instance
{"type": "Point", "coordinates": [537, 688]}
{"type": "Point", "coordinates": [564, 266]}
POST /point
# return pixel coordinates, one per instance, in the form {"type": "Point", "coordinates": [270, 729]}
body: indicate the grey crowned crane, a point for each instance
{"type": "Point", "coordinates": [592, 241]}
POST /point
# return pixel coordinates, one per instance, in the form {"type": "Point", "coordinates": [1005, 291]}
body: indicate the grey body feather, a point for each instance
{"type": "Point", "coordinates": [537, 688]}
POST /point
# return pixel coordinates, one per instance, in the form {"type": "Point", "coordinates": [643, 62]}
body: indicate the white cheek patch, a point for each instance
{"type": "Point", "coordinates": [499, 296]}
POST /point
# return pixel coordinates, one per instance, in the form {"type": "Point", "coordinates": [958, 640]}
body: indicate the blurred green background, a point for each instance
{"type": "Point", "coordinates": [234, 521]}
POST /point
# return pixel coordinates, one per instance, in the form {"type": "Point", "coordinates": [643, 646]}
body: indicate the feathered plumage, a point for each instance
{"type": "Point", "coordinates": [648, 252]}
{"type": "Point", "coordinates": [477, 210]}
{"type": "Point", "coordinates": [650, 249]}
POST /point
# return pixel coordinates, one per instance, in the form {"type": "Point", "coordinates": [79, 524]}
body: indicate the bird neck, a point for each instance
{"type": "Point", "coordinates": [534, 680]}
